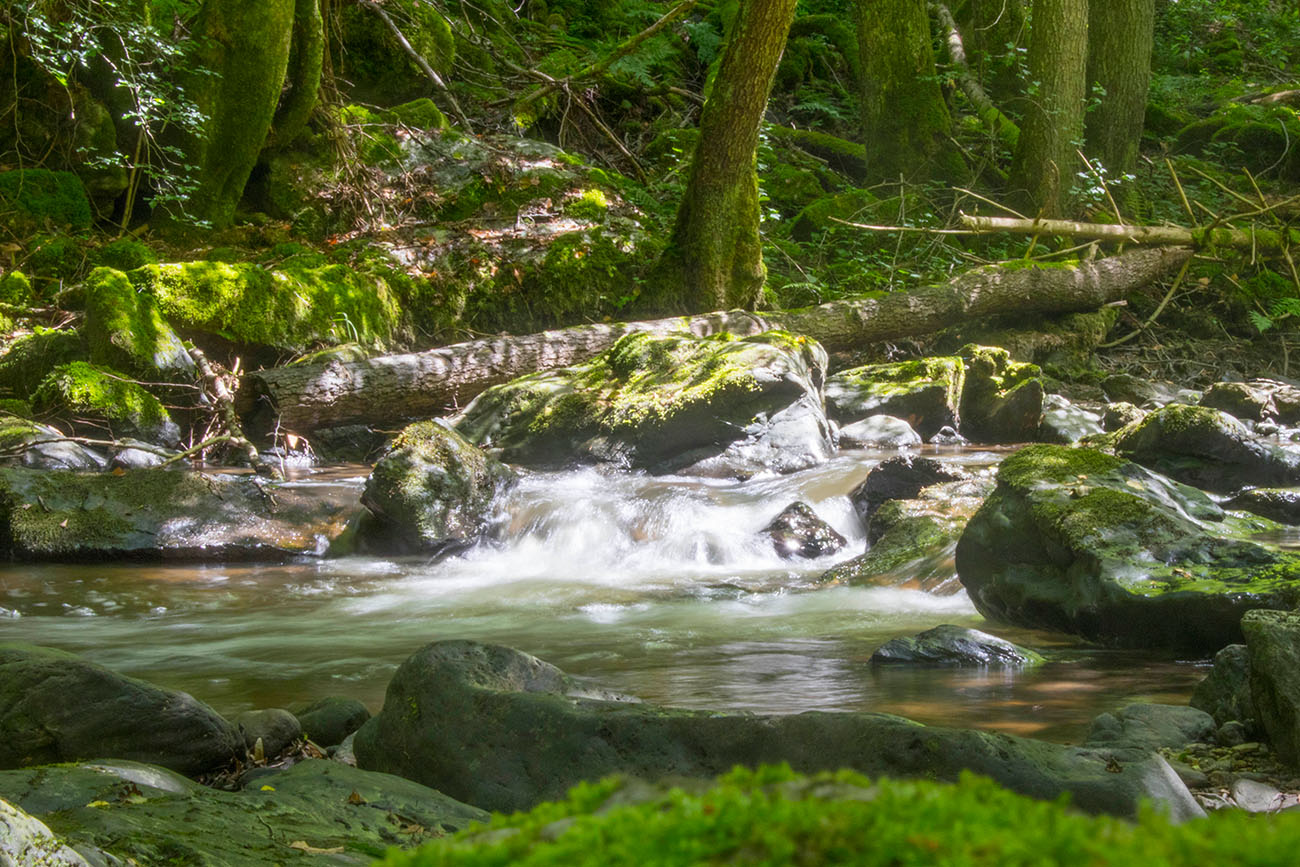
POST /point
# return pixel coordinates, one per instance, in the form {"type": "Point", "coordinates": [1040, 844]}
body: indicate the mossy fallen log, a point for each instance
{"type": "Point", "coordinates": [1263, 240]}
{"type": "Point", "coordinates": [301, 398]}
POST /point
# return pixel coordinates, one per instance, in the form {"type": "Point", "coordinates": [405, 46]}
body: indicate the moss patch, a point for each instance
{"type": "Point", "coordinates": [31, 358]}
{"type": "Point", "coordinates": [84, 391]}
{"type": "Point", "coordinates": [33, 198]}
{"type": "Point", "coordinates": [126, 330]}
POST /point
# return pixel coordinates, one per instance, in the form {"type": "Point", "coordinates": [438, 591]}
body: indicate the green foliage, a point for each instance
{"type": "Point", "coordinates": [32, 198]}
{"type": "Point", "coordinates": [1228, 36]}
{"type": "Point", "coordinates": [772, 816]}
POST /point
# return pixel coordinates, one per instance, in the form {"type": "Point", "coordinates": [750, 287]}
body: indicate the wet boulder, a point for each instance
{"type": "Point", "coordinates": [316, 811]}
{"type": "Point", "coordinates": [166, 514]}
{"type": "Point", "coordinates": [453, 704]}
{"type": "Point", "coordinates": [328, 721]}
{"type": "Point", "coordinates": [1240, 400]}
{"type": "Point", "coordinates": [93, 399]}
{"type": "Point", "coordinates": [1151, 727]}
{"type": "Point", "coordinates": [1079, 541]}
{"type": "Point", "coordinates": [885, 431]}
{"type": "Point", "coordinates": [1001, 400]}
{"type": "Point", "coordinates": [1065, 422]}
{"type": "Point", "coordinates": [1276, 504]}
{"type": "Point", "coordinates": [925, 393]}
{"type": "Point", "coordinates": [1206, 448]}
{"type": "Point", "coordinates": [1273, 645]}
{"type": "Point", "coordinates": [57, 707]}
{"type": "Point", "coordinates": [900, 478]}
{"type": "Point", "coordinates": [955, 645]}
{"type": "Point", "coordinates": [38, 446]}
{"type": "Point", "coordinates": [675, 403]}
{"type": "Point", "coordinates": [431, 491]}
{"type": "Point", "coordinates": [799, 532]}
{"type": "Point", "coordinates": [1127, 388]}
{"type": "Point", "coordinates": [1225, 692]}
{"type": "Point", "coordinates": [275, 727]}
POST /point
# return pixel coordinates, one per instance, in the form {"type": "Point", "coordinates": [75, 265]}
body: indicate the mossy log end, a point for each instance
{"type": "Point", "coordinates": [389, 389]}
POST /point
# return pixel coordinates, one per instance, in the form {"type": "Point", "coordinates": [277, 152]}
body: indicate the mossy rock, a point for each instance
{"type": "Point", "coordinates": [31, 199]}
{"type": "Point", "coordinates": [419, 114]}
{"type": "Point", "coordinates": [955, 645]}
{"type": "Point", "coordinates": [125, 329]}
{"type": "Point", "coordinates": [98, 398]}
{"type": "Point", "coordinates": [55, 257]}
{"type": "Point", "coordinates": [31, 358]}
{"type": "Point", "coordinates": [1207, 448]}
{"type": "Point", "coordinates": [378, 65]}
{"type": "Point", "coordinates": [661, 402]}
{"type": "Point", "coordinates": [1261, 134]}
{"type": "Point", "coordinates": [124, 254]}
{"type": "Point", "coordinates": [16, 288]}
{"type": "Point", "coordinates": [1062, 345]}
{"type": "Point", "coordinates": [859, 206]}
{"type": "Point", "coordinates": [847, 157]}
{"type": "Point", "coordinates": [925, 393]}
{"type": "Point", "coordinates": [431, 491]}
{"type": "Point", "coordinates": [1273, 646]}
{"type": "Point", "coordinates": [1079, 541]}
{"type": "Point", "coordinates": [31, 444]}
{"type": "Point", "coordinates": [1001, 400]}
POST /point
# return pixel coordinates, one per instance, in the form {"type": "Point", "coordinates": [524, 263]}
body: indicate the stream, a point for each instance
{"type": "Point", "coordinates": [655, 586]}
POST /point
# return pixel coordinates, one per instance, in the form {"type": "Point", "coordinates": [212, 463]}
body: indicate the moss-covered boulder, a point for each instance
{"type": "Point", "coordinates": [32, 199]}
{"type": "Point", "coordinates": [925, 393]}
{"type": "Point", "coordinates": [126, 330]}
{"type": "Point", "coordinates": [1273, 646]}
{"type": "Point", "coordinates": [328, 721]}
{"type": "Point", "coordinates": [1151, 727]}
{"type": "Point", "coordinates": [899, 478]}
{"type": "Point", "coordinates": [955, 645]}
{"type": "Point", "coordinates": [666, 403]}
{"type": "Point", "coordinates": [96, 397]}
{"type": "Point", "coordinates": [1225, 692]}
{"type": "Point", "coordinates": [166, 514]}
{"type": "Point", "coordinates": [452, 706]}
{"type": "Point", "coordinates": [1206, 448]}
{"type": "Point", "coordinates": [1082, 542]}
{"type": "Point", "coordinates": [30, 444]}
{"type": "Point", "coordinates": [431, 491]}
{"type": "Point", "coordinates": [30, 359]}
{"type": "Point", "coordinates": [1276, 504]}
{"type": "Point", "coordinates": [316, 811]}
{"type": "Point", "coordinates": [1240, 400]}
{"type": "Point", "coordinates": [1001, 399]}
{"type": "Point", "coordinates": [1062, 345]}
{"type": "Point", "coordinates": [57, 707]}
{"type": "Point", "coordinates": [16, 288]}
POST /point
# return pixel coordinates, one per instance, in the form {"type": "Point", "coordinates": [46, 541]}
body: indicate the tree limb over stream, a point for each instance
{"type": "Point", "coordinates": [391, 389]}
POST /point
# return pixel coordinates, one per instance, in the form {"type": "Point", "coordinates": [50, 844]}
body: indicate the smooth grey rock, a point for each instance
{"type": "Point", "coordinates": [1127, 388]}
{"type": "Point", "coordinates": [1121, 414]}
{"type": "Point", "coordinates": [947, 436]}
{"type": "Point", "coordinates": [39, 446]}
{"type": "Point", "coordinates": [453, 704]}
{"type": "Point", "coordinates": [1240, 400]}
{"type": "Point", "coordinates": [900, 478]}
{"type": "Point", "coordinates": [275, 727]}
{"type": "Point", "coordinates": [1256, 797]}
{"type": "Point", "coordinates": [27, 842]}
{"type": "Point", "coordinates": [1151, 727]}
{"type": "Point", "coordinates": [885, 431]}
{"type": "Point", "coordinates": [1276, 504]}
{"type": "Point", "coordinates": [955, 645]}
{"type": "Point", "coordinates": [128, 455]}
{"type": "Point", "coordinates": [1273, 643]}
{"type": "Point", "coordinates": [329, 720]}
{"type": "Point", "coordinates": [799, 532]}
{"type": "Point", "coordinates": [1064, 422]}
{"type": "Point", "coordinates": [57, 707]}
{"type": "Point", "coordinates": [1225, 692]}
{"type": "Point", "coordinates": [796, 438]}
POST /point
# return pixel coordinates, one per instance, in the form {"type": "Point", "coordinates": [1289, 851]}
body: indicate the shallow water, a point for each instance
{"type": "Point", "coordinates": [658, 587]}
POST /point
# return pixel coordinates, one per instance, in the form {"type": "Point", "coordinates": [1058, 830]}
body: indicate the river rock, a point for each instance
{"type": "Point", "coordinates": [1206, 448]}
{"type": "Point", "coordinates": [131, 454]}
{"type": "Point", "coordinates": [432, 490]}
{"type": "Point", "coordinates": [885, 431]}
{"type": "Point", "coordinates": [503, 730]}
{"type": "Point", "coordinates": [955, 645]}
{"type": "Point", "coordinates": [1079, 541]}
{"type": "Point", "coordinates": [1064, 422]}
{"type": "Point", "coordinates": [899, 478]}
{"type": "Point", "coordinates": [1150, 727]}
{"type": "Point", "coordinates": [1127, 388]}
{"type": "Point", "coordinates": [165, 514]}
{"type": "Point", "coordinates": [1240, 400]}
{"type": "Point", "coordinates": [1002, 400]}
{"type": "Point", "coordinates": [666, 403]}
{"type": "Point", "coordinates": [1121, 414]}
{"type": "Point", "coordinates": [1273, 644]}
{"type": "Point", "coordinates": [1225, 692]}
{"type": "Point", "coordinates": [799, 532]}
{"type": "Point", "coordinates": [925, 393]}
{"type": "Point", "coordinates": [25, 840]}
{"type": "Point", "coordinates": [41, 447]}
{"type": "Point", "coordinates": [1276, 504]}
{"type": "Point", "coordinates": [57, 707]}
{"type": "Point", "coordinates": [317, 810]}
{"type": "Point", "coordinates": [275, 727]}
{"type": "Point", "coordinates": [330, 720]}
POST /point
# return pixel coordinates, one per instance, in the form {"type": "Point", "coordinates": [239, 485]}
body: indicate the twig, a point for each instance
{"type": "Point", "coordinates": [1159, 309]}
{"type": "Point", "coordinates": [1105, 189]}
{"type": "Point", "coordinates": [989, 201]}
{"type": "Point", "coordinates": [1191, 215]}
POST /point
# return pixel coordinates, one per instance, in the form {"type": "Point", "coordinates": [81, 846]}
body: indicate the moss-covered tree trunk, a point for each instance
{"type": "Point", "coordinates": [303, 75]}
{"type": "Point", "coordinates": [714, 258]}
{"type": "Point", "coordinates": [1120, 34]}
{"type": "Point", "coordinates": [1045, 161]}
{"type": "Point", "coordinates": [244, 44]}
{"type": "Point", "coordinates": [905, 122]}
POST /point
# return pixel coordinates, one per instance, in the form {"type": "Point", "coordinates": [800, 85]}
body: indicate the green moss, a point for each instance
{"type": "Point", "coordinates": [124, 254]}
{"type": "Point", "coordinates": [84, 390]}
{"type": "Point", "coordinates": [15, 288]}
{"type": "Point", "coordinates": [33, 198]}
{"type": "Point", "coordinates": [1050, 464]}
{"type": "Point", "coordinates": [31, 358]}
{"type": "Point", "coordinates": [588, 205]}
{"type": "Point", "coordinates": [847, 156]}
{"type": "Point", "coordinates": [419, 114]}
{"type": "Point", "coordinates": [55, 257]}
{"type": "Point", "coordinates": [378, 66]}
{"type": "Point", "coordinates": [126, 330]}
{"type": "Point", "coordinates": [15, 407]}
{"type": "Point", "coordinates": [17, 430]}
{"type": "Point", "coordinates": [905, 377]}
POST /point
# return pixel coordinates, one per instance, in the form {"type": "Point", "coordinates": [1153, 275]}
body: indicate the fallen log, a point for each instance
{"type": "Point", "coordinates": [1259, 239]}
{"type": "Point", "coordinates": [391, 389]}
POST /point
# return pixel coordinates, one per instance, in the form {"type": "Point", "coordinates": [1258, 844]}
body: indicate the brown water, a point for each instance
{"type": "Point", "coordinates": [655, 587]}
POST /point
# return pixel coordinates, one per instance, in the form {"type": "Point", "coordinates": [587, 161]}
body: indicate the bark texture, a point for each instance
{"type": "Point", "coordinates": [1120, 34]}
{"type": "Point", "coordinates": [714, 258]}
{"type": "Point", "coordinates": [1045, 161]}
{"type": "Point", "coordinates": [905, 122]}
{"type": "Point", "coordinates": [391, 389]}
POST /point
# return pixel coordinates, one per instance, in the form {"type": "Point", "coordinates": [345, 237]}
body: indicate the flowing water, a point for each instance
{"type": "Point", "coordinates": [658, 587]}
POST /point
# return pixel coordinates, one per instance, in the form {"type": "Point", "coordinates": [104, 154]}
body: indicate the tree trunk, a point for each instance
{"type": "Point", "coordinates": [1045, 161]}
{"type": "Point", "coordinates": [993, 30]}
{"type": "Point", "coordinates": [303, 75]}
{"type": "Point", "coordinates": [391, 389]}
{"type": "Point", "coordinates": [714, 257]}
{"type": "Point", "coordinates": [905, 122]}
{"type": "Point", "coordinates": [1120, 33]}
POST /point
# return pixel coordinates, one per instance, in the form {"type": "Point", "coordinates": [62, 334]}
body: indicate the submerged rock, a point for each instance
{"type": "Point", "coordinates": [1273, 644]}
{"type": "Point", "coordinates": [1002, 400]}
{"type": "Point", "coordinates": [666, 404]}
{"type": "Point", "coordinates": [954, 645]}
{"type": "Point", "coordinates": [317, 809]}
{"type": "Point", "coordinates": [162, 514]}
{"type": "Point", "coordinates": [1206, 448]}
{"type": "Point", "coordinates": [799, 532]}
{"type": "Point", "coordinates": [453, 705]}
{"type": "Point", "coordinates": [1225, 692]}
{"type": "Point", "coordinates": [924, 393]}
{"type": "Point", "coordinates": [1066, 423]}
{"type": "Point", "coordinates": [885, 431]}
{"type": "Point", "coordinates": [275, 727]}
{"type": "Point", "coordinates": [432, 490]}
{"type": "Point", "coordinates": [57, 707]}
{"type": "Point", "coordinates": [1079, 541]}
{"type": "Point", "coordinates": [1276, 504]}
